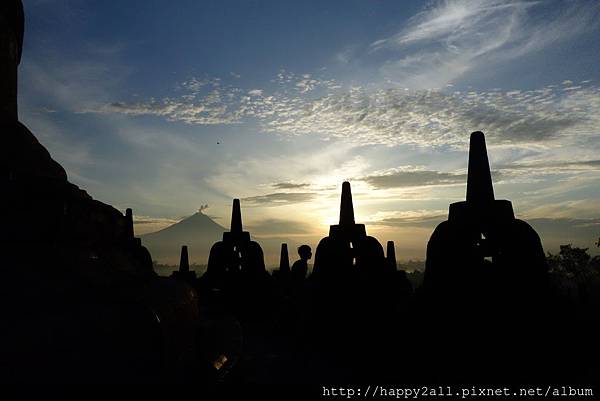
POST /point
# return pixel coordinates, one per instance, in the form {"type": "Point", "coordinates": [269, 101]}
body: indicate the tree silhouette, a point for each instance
{"type": "Point", "coordinates": [570, 260]}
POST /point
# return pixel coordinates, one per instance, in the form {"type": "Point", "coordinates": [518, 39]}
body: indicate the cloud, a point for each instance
{"type": "Point", "coordinates": [209, 101]}
{"type": "Point", "coordinates": [411, 218]}
{"type": "Point", "coordinates": [558, 176]}
{"type": "Point", "coordinates": [50, 82]}
{"type": "Point", "coordinates": [397, 178]}
{"type": "Point", "coordinates": [455, 20]}
{"type": "Point", "coordinates": [431, 118]}
{"type": "Point", "coordinates": [53, 85]}
{"type": "Point", "coordinates": [411, 176]}
{"type": "Point", "coordinates": [385, 117]}
{"type": "Point", "coordinates": [561, 231]}
{"type": "Point", "coordinates": [325, 165]}
{"type": "Point", "coordinates": [268, 227]}
{"type": "Point", "coordinates": [450, 38]}
{"type": "Point", "coordinates": [206, 112]}
{"type": "Point", "coordinates": [279, 199]}
{"type": "Point", "coordinates": [142, 220]}
{"type": "Point", "coordinates": [581, 209]}
{"type": "Point", "coordinates": [289, 185]}
{"type": "Point", "coordinates": [148, 224]}
{"type": "Point", "coordinates": [203, 101]}
{"type": "Point", "coordinates": [306, 84]}
{"type": "Point", "coordinates": [552, 167]}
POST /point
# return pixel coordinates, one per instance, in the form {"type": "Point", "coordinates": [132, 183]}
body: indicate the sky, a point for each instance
{"type": "Point", "coordinates": [166, 106]}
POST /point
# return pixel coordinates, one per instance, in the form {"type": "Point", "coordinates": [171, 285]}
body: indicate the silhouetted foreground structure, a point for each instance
{"type": "Point", "coordinates": [483, 229]}
{"type": "Point", "coordinates": [78, 296]}
{"type": "Point", "coordinates": [348, 246]}
{"type": "Point", "coordinates": [284, 264]}
{"type": "Point", "coordinates": [284, 260]}
{"type": "Point", "coordinates": [486, 267]}
{"type": "Point", "coordinates": [236, 256]}
{"type": "Point", "coordinates": [354, 303]}
{"type": "Point", "coordinates": [390, 257]}
{"type": "Point", "coordinates": [184, 273]}
{"type": "Point", "coordinates": [80, 301]}
{"type": "Point", "coordinates": [11, 48]}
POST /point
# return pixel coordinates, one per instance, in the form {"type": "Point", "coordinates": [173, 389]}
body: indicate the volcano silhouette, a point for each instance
{"type": "Point", "coordinates": [198, 232]}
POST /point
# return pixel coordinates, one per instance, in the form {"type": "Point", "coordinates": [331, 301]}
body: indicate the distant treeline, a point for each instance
{"type": "Point", "coordinates": [411, 267]}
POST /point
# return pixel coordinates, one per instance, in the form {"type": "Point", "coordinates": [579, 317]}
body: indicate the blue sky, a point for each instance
{"type": "Point", "coordinates": [166, 106]}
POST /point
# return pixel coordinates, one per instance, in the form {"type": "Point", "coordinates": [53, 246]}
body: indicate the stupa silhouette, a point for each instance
{"type": "Point", "coordinates": [236, 254]}
{"type": "Point", "coordinates": [348, 246]}
{"type": "Point", "coordinates": [482, 229]}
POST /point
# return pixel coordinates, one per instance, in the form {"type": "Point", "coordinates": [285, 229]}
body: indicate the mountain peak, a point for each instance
{"type": "Point", "coordinates": [198, 231]}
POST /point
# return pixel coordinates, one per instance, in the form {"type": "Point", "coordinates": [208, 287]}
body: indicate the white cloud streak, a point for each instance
{"type": "Point", "coordinates": [452, 37]}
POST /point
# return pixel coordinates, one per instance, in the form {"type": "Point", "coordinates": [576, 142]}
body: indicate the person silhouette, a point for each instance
{"type": "Point", "coordinates": [300, 267]}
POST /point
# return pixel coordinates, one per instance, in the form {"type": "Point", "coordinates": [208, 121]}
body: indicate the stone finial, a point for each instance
{"type": "Point", "coordinates": [391, 255]}
{"type": "Point", "coordinates": [346, 207]}
{"type": "Point", "coordinates": [184, 263]}
{"type": "Point", "coordinates": [284, 260]}
{"type": "Point", "coordinates": [479, 178]}
{"type": "Point", "coordinates": [236, 217]}
{"type": "Point", "coordinates": [129, 218]}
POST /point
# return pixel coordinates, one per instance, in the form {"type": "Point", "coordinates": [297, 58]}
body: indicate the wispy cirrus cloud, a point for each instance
{"type": "Point", "coordinates": [452, 37]}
